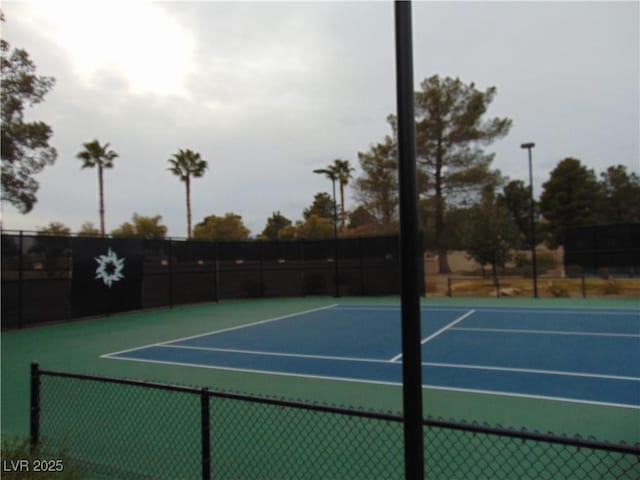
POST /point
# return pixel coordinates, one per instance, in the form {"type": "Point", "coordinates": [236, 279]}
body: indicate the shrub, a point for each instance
{"type": "Point", "coordinates": [611, 287]}
{"type": "Point", "coordinates": [430, 285]}
{"type": "Point", "coordinates": [556, 290]}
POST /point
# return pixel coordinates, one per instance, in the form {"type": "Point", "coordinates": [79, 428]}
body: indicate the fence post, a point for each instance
{"type": "Point", "coordinates": [170, 273]}
{"type": "Point", "coordinates": [261, 269]}
{"type": "Point", "coordinates": [206, 433]}
{"type": "Point", "coordinates": [584, 287]}
{"type": "Point", "coordinates": [35, 406]}
{"type": "Point", "coordinates": [335, 260]}
{"type": "Point", "coordinates": [449, 287]}
{"type": "Point", "coordinates": [303, 291]}
{"type": "Point", "coordinates": [361, 266]}
{"type": "Point", "coordinates": [216, 272]}
{"type": "Point", "coordinates": [20, 278]}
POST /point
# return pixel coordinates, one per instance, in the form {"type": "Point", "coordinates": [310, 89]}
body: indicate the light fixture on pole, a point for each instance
{"type": "Point", "coordinates": [534, 263]}
{"type": "Point", "coordinates": [332, 175]}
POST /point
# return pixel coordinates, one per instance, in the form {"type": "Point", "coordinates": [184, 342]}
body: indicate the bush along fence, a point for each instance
{"type": "Point", "coordinates": [547, 286]}
{"type": "Point", "coordinates": [123, 428]}
{"type": "Point", "coordinates": [53, 278]}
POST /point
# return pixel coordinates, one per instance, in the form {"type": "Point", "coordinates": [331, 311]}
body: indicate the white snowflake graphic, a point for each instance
{"type": "Point", "coordinates": [109, 268]}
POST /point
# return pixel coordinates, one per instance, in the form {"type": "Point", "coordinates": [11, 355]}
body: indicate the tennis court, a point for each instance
{"type": "Point", "coordinates": [578, 355]}
{"type": "Point", "coordinates": [551, 366]}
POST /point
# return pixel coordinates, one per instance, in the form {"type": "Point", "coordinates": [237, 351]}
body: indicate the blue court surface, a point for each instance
{"type": "Point", "coordinates": [584, 355]}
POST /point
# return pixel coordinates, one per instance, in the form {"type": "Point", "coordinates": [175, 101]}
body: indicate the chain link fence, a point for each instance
{"type": "Point", "coordinates": [119, 428]}
{"type": "Point", "coordinates": [57, 278]}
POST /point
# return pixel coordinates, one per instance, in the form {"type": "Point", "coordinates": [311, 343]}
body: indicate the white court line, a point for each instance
{"type": "Point", "coordinates": [426, 364]}
{"type": "Point", "coordinates": [545, 332]}
{"type": "Point", "coordinates": [215, 332]}
{"type": "Point", "coordinates": [532, 370]}
{"type": "Point", "coordinates": [532, 396]}
{"type": "Point", "coordinates": [510, 309]}
{"type": "Point", "coordinates": [395, 384]}
{"type": "Point", "coordinates": [277, 354]}
{"type": "Point", "coordinates": [434, 335]}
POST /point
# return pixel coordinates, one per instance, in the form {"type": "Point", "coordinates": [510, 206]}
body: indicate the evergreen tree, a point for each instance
{"type": "Point", "coordinates": [571, 197]}
{"type": "Point", "coordinates": [377, 188]}
{"type": "Point", "coordinates": [516, 198]}
{"type": "Point", "coordinates": [322, 206]}
{"type": "Point", "coordinates": [621, 190]}
{"type": "Point", "coordinates": [450, 130]}
{"type": "Point", "coordinates": [492, 234]}
{"type": "Point", "coordinates": [274, 226]}
{"type": "Point", "coordinates": [25, 149]}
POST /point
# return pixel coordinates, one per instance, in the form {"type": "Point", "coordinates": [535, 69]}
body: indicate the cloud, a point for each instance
{"type": "Point", "coordinates": [266, 92]}
{"type": "Point", "coordinates": [137, 41]}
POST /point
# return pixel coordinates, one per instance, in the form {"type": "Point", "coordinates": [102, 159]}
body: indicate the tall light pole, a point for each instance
{"type": "Point", "coordinates": [534, 263]}
{"type": "Point", "coordinates": [333, 176]}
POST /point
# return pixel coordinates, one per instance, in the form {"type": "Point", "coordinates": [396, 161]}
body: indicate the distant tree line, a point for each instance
{"type": "Point", "coordinates": [464, 203]}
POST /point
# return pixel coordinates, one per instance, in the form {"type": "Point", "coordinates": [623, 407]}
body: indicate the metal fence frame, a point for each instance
{"type": "Point", "coordinates": [39, 270]}
{"type": "Point", "coordinates": [205, 395]}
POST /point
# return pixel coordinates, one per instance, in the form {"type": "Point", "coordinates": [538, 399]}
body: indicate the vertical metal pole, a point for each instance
{"type": "Point", "coordinates": [170, 273]}
{"type": "Point", "coordinates": [216, 274]}
{"type": "Point", "coordinates": [361, 267]}
{"type": "Point", "coordinates": [409, 247]}
{"type": "Point", "coordinates": [596, 249]}
{"type": "Point", "coordinates": [260, 270]}
{"type": "Point", "coordinates": [533, 228]}
{"type": "Point", "coordinates": [20, 277]}
{"type": "Point", "coordinates": [35, 406]}
{"type": "Point", "coordinates": [335, 234]}
{"type": "Point", "coordinates": [205, 424]}
{"type": "Point", "coordinates": [303, 291]}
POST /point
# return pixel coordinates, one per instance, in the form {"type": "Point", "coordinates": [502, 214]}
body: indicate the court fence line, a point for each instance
{"type": "Point", "coordinates": [581, 286]}
{"type": "Point", "coordinates": [124, 428]}
{"type": "Point", "coordinates": [48, 278]}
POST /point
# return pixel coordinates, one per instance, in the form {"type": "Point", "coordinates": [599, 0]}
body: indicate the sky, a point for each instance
{"type": "Point", "coordinates": [267, 92]}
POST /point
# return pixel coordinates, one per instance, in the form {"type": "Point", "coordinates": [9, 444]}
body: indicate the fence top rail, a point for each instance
{"type": "Point", "coordinates": [536, 436]}
{"type": "Point", "coordinates": [121, 381]}
{"type": "Point", "coordinates": [226, 395]}
{"type": "Point", "coordinates": [434, 423]}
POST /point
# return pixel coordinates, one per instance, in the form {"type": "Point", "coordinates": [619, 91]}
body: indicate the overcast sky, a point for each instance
{"type": "Point", "coordinates": [267, 92]}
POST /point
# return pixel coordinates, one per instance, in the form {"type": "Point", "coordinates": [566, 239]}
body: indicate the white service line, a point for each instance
{"type": "Point", "coordinates": [531, 370]}
{"type": "Point", "coordinates": [277, 354]}
{"type": "Point", "coordinates": [434, 335]}
{"type": "Point", "coordinates": [215, 332]}
{"type": "Point", "coordinates": [425, 364]}
{"type": "Point", "coordinates": [545, 332]}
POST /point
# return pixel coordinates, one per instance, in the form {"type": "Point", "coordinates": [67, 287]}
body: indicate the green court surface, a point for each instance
{"type": "Point", "coordinates": [78, 346]}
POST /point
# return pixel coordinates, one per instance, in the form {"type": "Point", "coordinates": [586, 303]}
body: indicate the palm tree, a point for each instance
{"type": "Point", "coordinates": [186, 164]}
{"type": "Point", "coordinates": [96, 155]}
{"type": "Point", "coordinates": [342, 170]}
